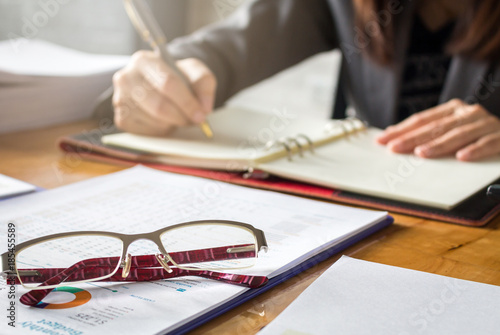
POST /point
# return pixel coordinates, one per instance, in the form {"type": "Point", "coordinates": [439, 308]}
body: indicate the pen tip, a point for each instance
{"type": "Point", "coordinates": [205, 127]}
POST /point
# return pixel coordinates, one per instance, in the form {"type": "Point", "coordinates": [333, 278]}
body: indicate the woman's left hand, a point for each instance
{"type": "Point", "coordinates": [469, 132]}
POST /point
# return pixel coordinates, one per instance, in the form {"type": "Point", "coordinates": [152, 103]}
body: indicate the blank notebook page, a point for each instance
{"type": "Point", "coordinates": [359, 164]}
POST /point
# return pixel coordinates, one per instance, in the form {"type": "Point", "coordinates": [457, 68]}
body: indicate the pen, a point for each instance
{"type": "Point", "coordinates": [145, 23]}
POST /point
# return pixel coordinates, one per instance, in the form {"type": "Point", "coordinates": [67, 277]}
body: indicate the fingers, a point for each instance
{"type": "Point", "coordinates": [417, 120]}
{"type": "Point", "coordinates": [469, 132]}
{"type": "Point", "coordinates": [147, 101]}
{"type": "Point", "coordinates": [169, 84]}
{"type": "Point", "coordinates": [202, 81]}
{"type": "Point", "coordinates": [426, 133]}
{"type": "Point", "coordinates": [458, 138]}
{"type": "Point", "coordinates": [157, 98]}
{"type": "Point", "coordinates": [486, 146]}
{"type": "Point", "coordinates": [129, 117]}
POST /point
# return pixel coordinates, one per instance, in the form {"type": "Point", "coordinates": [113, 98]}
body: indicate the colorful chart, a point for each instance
{"type": "Point", "coordinates": [81, 297]}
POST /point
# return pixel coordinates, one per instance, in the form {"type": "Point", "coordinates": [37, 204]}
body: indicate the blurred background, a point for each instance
{"type": "Point", "coordinates": [103, 26]}
{"type": "Point", "coordinates": [101, 29]}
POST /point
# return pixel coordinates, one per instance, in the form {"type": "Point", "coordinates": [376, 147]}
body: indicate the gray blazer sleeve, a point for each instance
{"type": "Point", "coordinates": [259, 39]}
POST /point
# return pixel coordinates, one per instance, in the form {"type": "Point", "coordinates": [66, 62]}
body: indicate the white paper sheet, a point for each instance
{"type": "Point", "coordinates": [41, 58]}
{"type": "Point", "coordinates": [10, 186]}
{"type": "Point", "coordinates": [360, 297]}
{"type": "Point", "coordinates": [142, 200]}
{"type": "Point", "coordinates": [44, 84]}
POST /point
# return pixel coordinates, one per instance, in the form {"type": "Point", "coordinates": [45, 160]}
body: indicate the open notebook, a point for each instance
{"type": "Point", "coordinates": [338, 154]}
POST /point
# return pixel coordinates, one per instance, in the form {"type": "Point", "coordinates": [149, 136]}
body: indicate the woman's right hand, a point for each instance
{"type": "Point", "coordinates": [151, 99]}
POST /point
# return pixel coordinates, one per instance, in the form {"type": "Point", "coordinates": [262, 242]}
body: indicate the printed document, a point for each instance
{"type": "Point", "coordinates": [141, 200]}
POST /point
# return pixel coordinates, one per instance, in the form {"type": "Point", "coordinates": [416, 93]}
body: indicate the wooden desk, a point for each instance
{"type": "Point", "coordinates": [425, 245]}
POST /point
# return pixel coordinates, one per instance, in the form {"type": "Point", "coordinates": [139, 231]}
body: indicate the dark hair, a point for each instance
{"type": "Point", "coordinates": [476, 34]}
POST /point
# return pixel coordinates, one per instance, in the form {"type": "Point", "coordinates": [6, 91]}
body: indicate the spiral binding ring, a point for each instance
{"type": "Point", "coordinates": [348, 125]}
{"type": "Point", "coordinates": [289, 153]}
{"type": "Point", "coordinates": [310, 143]}
{"type": "Point", "coordinates": [353, 121]}
{"type": "Point", "coordinates": [297, 144]}
{"type": "Point", "coordinates": [342, 126]}
{"type": "Point", "coordinates": [288, 144]}
{"type": "Point", "coordinates": [282, 142]}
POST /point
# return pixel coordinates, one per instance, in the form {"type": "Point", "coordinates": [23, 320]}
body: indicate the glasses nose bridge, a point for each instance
{"type": "Point", "coordinates": [153, 237]}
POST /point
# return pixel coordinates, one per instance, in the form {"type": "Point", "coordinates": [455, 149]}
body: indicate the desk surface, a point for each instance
{"type": "Point", "coordinates": [414, 243]}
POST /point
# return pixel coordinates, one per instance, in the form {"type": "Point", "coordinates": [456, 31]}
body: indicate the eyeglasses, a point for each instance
{"type": "Point", "coordinates": [196, 248]}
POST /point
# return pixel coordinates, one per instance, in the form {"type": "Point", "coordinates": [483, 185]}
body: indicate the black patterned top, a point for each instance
{"type": "Point", "coordinates": [425, 69]}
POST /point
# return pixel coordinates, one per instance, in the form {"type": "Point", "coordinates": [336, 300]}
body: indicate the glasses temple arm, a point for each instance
{"type": "Point", "coordinates": [81, 268]}
{"type": "Point", "coordinates": [104, 265]}
{"type": "Point", "coordinates": [34, 297]}
{"type": "Point", "coordinates": [160, 273]}
{"type": "Point", "coordinates": [181, 257]}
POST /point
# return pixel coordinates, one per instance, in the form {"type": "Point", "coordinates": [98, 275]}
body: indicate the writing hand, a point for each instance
{"type": "Point", "coordinates": [469, 132]}
{"type": "Point", "coordinates": [150, 99]}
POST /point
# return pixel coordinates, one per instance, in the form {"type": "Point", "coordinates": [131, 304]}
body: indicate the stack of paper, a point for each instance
{"type": "Point", "coordinates": [43, 84]}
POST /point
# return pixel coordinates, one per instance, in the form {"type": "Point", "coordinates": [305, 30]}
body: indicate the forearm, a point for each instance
{"type": "Point", "coordinates": [260, 39]}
